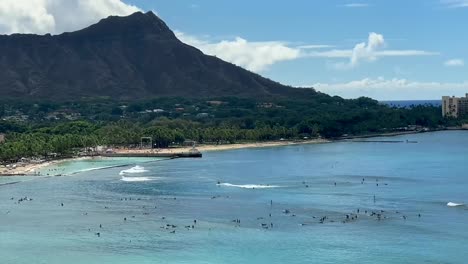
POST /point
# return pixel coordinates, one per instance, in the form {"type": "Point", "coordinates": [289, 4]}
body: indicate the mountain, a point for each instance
{"type": "Point", "coordinates": [131, 57]}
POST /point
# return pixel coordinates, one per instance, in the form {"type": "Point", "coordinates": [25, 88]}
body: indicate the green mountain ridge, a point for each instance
{"type": "Point", "coordinates": [131, 57]}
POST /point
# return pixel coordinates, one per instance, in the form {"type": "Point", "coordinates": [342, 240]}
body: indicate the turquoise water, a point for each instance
{"type": "Point", "coordinates": [73, 167]}
{"type": "Point", "coordinates": [413, 179]}
{"type": "Point", "coordinates": [91, 164]}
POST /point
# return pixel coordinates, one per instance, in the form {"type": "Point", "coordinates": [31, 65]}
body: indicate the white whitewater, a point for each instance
{"type": "Point", "coordinates": [248, 186]}
{"type": "Point", "coordinates": [136, 179]}
{"type": "Point", "coordinates": [452, 204]}
{"type": "Point", "coordinates": [133, 170]}
{"type": "Point", "coordinates": [127, 175]}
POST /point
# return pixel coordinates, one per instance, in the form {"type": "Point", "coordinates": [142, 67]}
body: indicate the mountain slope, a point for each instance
{"type": "Point", "coordinates": [122, 57]}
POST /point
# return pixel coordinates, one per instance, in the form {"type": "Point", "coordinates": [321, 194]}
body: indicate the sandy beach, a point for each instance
{"type": "Point", "coordinates": [209, 147]}
{"type": "Point", "coordinates": [24, 168]}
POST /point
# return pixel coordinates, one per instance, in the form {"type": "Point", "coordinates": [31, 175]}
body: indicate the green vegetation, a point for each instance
{"type": "Point", "coordinates": [44, 129]}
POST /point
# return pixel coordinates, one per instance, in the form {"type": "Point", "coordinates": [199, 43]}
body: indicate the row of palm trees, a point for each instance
{"type": "Point", "coordinates": [66, 141]}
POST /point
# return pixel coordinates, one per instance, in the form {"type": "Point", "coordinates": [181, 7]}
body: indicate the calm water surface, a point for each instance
{"type": "Point", "coordinates": [295, 184]}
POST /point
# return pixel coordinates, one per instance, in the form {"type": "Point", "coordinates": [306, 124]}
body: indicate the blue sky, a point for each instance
{"type": "Point", "coordinates": [437, 29]}
{"type": "Point", "coordinates": [384, 49]}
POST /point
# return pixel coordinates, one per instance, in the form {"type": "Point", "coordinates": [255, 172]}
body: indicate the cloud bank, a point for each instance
{"type": "Point", "coordinates": [454, 63]}
{"type": "Point", "coordinates": [392, 89]}
{"type": "Point", "coordinates": [258, 56]}
{"type": "Point", "coordinates": [56, 16]}
{"type": "Point", "coordinates": [254, 56]}
{"type": "Point", "coordinates": [455, 3]}
{"type": "Point", "coordinates": [368, 51]}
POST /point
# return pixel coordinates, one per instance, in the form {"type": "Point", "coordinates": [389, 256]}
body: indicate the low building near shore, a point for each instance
{"type": "Point", "coordinates": [2, 138]}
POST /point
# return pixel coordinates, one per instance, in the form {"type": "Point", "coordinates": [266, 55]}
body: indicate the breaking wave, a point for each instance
{"type": "Point", "coordinates": [248, 186]}
{"type": "Point", "coordinates": [133, 170]}
{"type": "Point", "coordinates": [136, 179]}
{"type": "Point", "coordinates": [451, 204]}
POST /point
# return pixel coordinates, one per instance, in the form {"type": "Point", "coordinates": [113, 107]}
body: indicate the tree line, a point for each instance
{"type": "Point", "coordinates": [65, 139]}
{"type": "Point", "coordinates": [228, 120]}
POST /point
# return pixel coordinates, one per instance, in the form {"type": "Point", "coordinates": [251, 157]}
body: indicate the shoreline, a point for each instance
{"type": "Point", "coordinates": [212, 147]}
{"type": "Point", "coordinates": [31, 169]}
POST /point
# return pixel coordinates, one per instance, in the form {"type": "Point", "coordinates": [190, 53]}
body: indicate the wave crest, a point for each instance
{"type": "Point", "coordinates": [136, 179]}
{"type": "Point", "coordinates": [248, 186]}
{"type": "Point", "coordinates": [452, 204]}
{"type": "Point", "coordinates": [133, 170]}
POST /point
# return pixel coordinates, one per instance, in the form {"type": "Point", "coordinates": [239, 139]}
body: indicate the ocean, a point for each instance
{"type": "Point", "coordinates": [343, 202]}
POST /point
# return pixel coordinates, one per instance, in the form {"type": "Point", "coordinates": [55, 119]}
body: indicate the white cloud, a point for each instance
{"type": "Point", "coordinates": [455, 3]}
{"type": "Point", "coordinates": [454, 63]}
{"type": "Point", "coordinates": [254, 56]}
{"type": "Point", "coordinates": [363, 51]}
{"type": "Point", "coordinates": [368, 51]}
{"type": "Point", "coordinates": [392, 89]}
{"type": "Point", "coordinates": [56, 16]}
{"type": "Point", "coordinates": [257, 56]}
{"type": "Point", "coordinates": [356, 5]}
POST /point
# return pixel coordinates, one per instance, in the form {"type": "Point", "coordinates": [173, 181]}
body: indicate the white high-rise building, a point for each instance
{"type": "Point", "coordinates": [455, 106]}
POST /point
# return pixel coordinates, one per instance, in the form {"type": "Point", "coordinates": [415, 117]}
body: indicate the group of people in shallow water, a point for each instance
{"type": "Point", "coordinates": [378, 215]}
{"type": "Point", "coordinates": [22, 199]}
